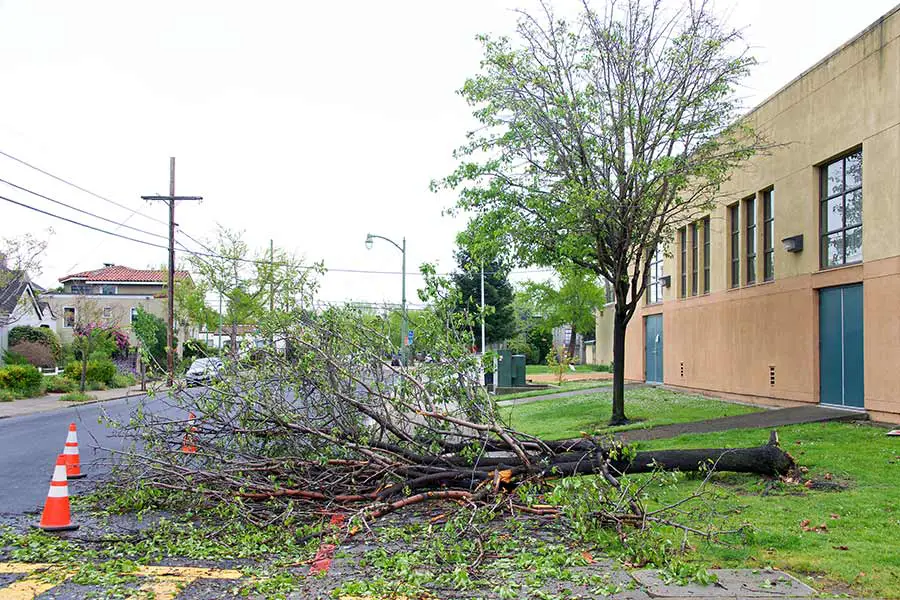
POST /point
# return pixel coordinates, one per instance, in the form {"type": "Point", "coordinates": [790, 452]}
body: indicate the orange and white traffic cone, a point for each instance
{"type": "Point", "coordinates": [187, 446]}
{"type": "Point", "coordinates": [73, 459]}
{"type": "Point", "coordinates": [56, 516]}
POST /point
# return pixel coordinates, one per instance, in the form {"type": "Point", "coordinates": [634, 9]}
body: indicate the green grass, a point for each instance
{"type": "Point", "coordinates": [567, 386]}
{"type": "Point", "coordinates": [543, 369]}
{"type": "Point", "coordinates": [567, 417]}
{"type": "Point", "coordinates": [76, 397]}
{"type": "Point", "coordinates": [860, 457]}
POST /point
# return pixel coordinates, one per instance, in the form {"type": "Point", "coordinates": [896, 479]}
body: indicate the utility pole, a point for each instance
{"type": "Point", "coordinates": [483, 349]}
{"type": "Point", "coordinates": [171, 199]}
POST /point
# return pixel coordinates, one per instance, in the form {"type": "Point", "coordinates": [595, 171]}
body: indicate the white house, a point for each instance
{"type": "Point", "coordinates": [21, 304]}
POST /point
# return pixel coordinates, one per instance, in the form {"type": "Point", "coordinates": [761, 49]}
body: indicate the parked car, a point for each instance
{"type": "Point", "coordinates": [205, 370]}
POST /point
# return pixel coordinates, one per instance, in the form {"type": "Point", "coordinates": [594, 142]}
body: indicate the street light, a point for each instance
{"type": "Point", "coordinates": [404, 332]}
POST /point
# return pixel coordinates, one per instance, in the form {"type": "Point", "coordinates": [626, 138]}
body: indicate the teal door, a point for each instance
{"type": "Point", "coordinates": [653, 336]}
{"type": "Point", "coordinates": [841, 346]}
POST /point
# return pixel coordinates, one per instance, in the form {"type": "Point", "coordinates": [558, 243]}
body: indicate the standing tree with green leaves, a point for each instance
{"type": "Point", "coordinates": [573, 302]}
{"type": "Point", "coordinates": [597, 139]}
{"type": "Point", "coordinates": [263, 288]}
{"type": "Point", "coordinates": [500, 319]}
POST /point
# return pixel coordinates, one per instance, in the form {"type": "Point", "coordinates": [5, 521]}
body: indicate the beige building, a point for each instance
{"type": "Point", "coordinates": [111, 294]}
{"type": "Point", "coordinates": [789, 291]}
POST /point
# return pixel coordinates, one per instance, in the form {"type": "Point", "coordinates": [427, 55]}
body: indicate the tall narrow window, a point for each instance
{"type": "Point", "coordinates": [769, 235]}
{"type": "Point", "coordinates": [706, 254]}
{"type": "Point", "coordinates": [841, 211]}
{"type": "Point", "coordinates": [733, 212]}
{"type": "Point", "coordinates": [694, 259]}
{"type": "Point", "coordinates": [750, 207]}
{"type": "Point", "coordinates": [654, 273]}
{"type": "Point", "coordinates": [682, 242]}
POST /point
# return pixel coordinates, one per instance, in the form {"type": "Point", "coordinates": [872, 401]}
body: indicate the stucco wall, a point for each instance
{"type": "Point", "coordinates": [729, 338]}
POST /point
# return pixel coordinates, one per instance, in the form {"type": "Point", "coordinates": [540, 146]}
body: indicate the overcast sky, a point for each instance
{"type": "Point", "coordinates": [310, 123]}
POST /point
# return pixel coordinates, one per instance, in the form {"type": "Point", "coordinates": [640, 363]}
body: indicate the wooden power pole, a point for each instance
{"type": "Point", "coordinates": [170, 334]}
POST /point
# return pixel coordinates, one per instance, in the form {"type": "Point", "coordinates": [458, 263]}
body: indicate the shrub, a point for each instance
{"type": "Point", "coordinates": [96, 386]}
{"type": "Point", "coordinates": [36, 353]}
{"type": "Point", "coordinates": [120, 380]}
{"type": "Point", "coordinates": [25, 380]}
{"type": "Point", "coordinates": [59, 385]}
{"type": "Point", "coordinates": [77, 397]}
{"type": "Point", "coordinates": [194, 349]}
{"type": "Point", "coordinates": [39, 335]}
{"type": "Point", "coordinates": [14, 358]}
{"type": "Point", "coordinates": [7, 395]}
{"type": "Point", "coordinates": [100, 371]}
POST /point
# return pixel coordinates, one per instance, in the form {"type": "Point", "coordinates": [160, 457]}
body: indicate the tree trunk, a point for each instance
{"type": "Point", "coordinates": [572, 343]}
{"type": "Point", "coordinates": [83, 369]}
{"type": "Point", "coordinates": [768, 459]}
{"type": "Point", "coordinates": [618, 401]}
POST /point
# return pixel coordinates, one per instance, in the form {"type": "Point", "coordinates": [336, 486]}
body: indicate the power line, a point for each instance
{"type": "Point", "coordinates": [219, 256]}
{"type": "Point", "coordinates": [82, 211]}
{"type": "Point", "coordinates": [79, 188]}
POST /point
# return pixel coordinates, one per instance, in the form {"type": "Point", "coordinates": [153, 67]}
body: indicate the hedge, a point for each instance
{"type": "Point", "coordinates": [41, 335]}
{"type": "Point", "coordinates": [100, 371]}
{"type": "Point", "coordinates": [24, 380]}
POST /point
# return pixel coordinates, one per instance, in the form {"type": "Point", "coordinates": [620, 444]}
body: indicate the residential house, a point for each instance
{"type": "Point", "coordinates": [21, 303]}
{"type": "Point", "coordinates": [787, 292]}
{"type": "Point", "coordinates": [113, 294]}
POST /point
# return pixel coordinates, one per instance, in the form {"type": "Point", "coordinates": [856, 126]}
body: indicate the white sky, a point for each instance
{"type": "Point", "coordinates": [308, 123]}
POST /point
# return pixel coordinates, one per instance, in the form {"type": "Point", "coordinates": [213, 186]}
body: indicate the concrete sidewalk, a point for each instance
{"type": "Point", "coordinates": [30, 406]}
{"type": "Point", "coordinates": [767, 419]}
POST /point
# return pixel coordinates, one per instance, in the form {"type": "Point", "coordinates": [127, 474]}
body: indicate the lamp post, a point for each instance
{"type": "Point", "coordinates": [404, 331]}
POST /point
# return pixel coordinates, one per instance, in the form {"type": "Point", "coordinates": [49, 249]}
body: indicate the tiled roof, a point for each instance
{"type": "Point", "coordinates": [123, 274]}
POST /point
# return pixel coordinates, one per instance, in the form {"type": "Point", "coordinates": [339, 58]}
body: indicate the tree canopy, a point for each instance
{"type": "Point", "coordinates": [598, 138]}
{"type": "Point", "coordinates": [500, 320]}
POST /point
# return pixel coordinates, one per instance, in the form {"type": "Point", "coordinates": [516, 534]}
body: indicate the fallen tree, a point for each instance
{"type": "Point", "coordinates": [332, 423]}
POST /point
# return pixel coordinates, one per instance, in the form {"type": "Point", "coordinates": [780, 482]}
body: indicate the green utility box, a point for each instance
{"type": "Point", "coordinates": [518, 370]}
{"type": "Point", "coordinates": [504, 368]}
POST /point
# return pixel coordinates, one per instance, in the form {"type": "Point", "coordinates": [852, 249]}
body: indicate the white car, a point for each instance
{"type": "Point", "coordinates": [205, 370]}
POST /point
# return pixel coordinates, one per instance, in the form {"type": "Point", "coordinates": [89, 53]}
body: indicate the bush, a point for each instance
{"type": "Point", "coordinates": [40, 335]}
{"type": "Point", "coordinates": [77, 397]}
{"type": "Point", "coordinates": [24, 380]}
{"type": "Point", "coordinates": [60, 385]}
{"type": "Point", "coordinates": [35, 353]}
{"type": "Point", "coordinates": [96, 386]}
{"type": "Point", "coordinates": [99, 371]}
{"type": "Point", "coordinates": [7, 395]}
{"type": "Point", "coordinates": [14, 358]}
{"type": "Point", "coordinates": [120, 380]}
{"type": "Point", "coordinates": [194, 349]}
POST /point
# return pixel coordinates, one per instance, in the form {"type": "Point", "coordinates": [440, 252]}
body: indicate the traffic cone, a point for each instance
{"type": "Point", "coordinates": [73, 459]}
{"type": "Point", "coordinates": [187, 446]}
{"type": "Point", "coordinates": [56, 516]}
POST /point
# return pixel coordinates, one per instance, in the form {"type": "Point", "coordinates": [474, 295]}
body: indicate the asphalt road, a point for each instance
{"type": "Point", "coordinates": [29, 446]}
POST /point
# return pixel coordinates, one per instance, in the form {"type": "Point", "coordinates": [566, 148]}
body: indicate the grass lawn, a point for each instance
{"type": "Point", "coordinates": [861, 547]}
{"type": "Point", "coordinates": [858, 553]}
{"type": "Point", "coordinates": [567, 386]}
{"type": "Point", "coordinates": [568, 417]}
{"type": "Point", "coordinates": [541, 369]}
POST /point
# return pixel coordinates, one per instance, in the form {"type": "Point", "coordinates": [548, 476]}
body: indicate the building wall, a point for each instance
{"type": "Point", "coordinates": [122, 289]}
{"type": "Point", "coordinates": [729, 338]}
{"type": "Point", "coordinates": [121, 310]}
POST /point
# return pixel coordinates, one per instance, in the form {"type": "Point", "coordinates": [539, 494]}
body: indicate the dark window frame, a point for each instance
{"type": "Point", "coordinates": [750, 227]}
{"type": "Point", "coordinates": [682, 238]}
{"type": "Point", "coordinates": [825, 197]}
{"type": "Point", "coordinates": [695, 259]}
{"type": "Point", "coordinates": [706, 254]}
{"type": "Point", "coordinates": [769, 234]}
{"type": "Point", "coordinates": [735, 241]}
{"type": "Point", "coordinates": [66, 309]}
